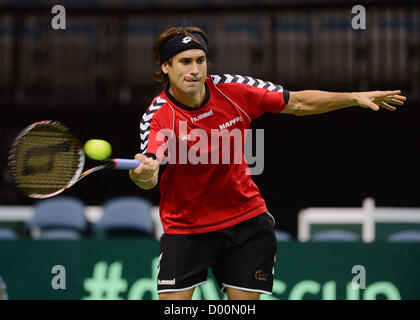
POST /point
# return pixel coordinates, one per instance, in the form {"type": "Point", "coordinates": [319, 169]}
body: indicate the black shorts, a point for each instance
{"type": "Point", "coordinates": [241, 256]}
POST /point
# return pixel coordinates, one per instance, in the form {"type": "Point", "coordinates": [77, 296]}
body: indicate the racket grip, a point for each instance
{"type": "Point", "coordinates": [125, 164]}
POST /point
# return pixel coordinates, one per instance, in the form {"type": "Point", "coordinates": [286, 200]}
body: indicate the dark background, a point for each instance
{"type": "Point", "coordinates": [96, 78]}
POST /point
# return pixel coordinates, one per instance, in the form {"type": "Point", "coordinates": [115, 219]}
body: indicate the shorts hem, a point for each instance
{"type": "Point", "coordinates": [182, 289]}
{"type": "Point", "coordinates": [245, 289]}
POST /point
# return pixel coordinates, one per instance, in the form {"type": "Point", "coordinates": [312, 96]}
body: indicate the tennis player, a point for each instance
{"type": "Point", "coordinates": [213, 215]}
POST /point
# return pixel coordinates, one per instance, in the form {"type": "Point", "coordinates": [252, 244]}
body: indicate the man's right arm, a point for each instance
{"type": "Point", "coordinates": [153, 122]}
{"type": "Point", "coordinates": [146, 175]}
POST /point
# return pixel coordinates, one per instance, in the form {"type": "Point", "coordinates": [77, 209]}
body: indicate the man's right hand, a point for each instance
{"type": "Point", "coordinates": [146, 174]}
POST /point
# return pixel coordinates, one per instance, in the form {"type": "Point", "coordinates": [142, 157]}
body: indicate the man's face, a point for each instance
{"type": "Point", "coordinates": [188, 71]}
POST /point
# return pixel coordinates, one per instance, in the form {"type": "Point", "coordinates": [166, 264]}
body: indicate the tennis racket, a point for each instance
{"type": "Point", "coordinates": [46, 159]}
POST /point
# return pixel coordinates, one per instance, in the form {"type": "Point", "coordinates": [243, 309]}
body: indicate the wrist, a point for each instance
{"type": "Point", "coordinates": [137, 179]}
{"type": "Point", "coordinates": [354, 99]}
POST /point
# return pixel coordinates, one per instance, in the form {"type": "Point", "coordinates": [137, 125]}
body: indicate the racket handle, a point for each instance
{"type": "Point", "coordinates": [125, 164]}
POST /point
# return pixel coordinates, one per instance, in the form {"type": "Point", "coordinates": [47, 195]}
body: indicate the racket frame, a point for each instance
{"type": "Point", "coordinates": [123, 164]}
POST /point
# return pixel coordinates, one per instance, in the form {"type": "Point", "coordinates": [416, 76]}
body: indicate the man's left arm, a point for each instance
{"type": "Point", "coordinates": [308, 102]}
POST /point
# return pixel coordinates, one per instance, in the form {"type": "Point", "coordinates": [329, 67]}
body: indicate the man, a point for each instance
{"type": "Point", "coordinates": [212, 212]}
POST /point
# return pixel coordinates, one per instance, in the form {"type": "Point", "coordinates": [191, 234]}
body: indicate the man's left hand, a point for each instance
{"type": "Point", "coordinates": [376, 99]}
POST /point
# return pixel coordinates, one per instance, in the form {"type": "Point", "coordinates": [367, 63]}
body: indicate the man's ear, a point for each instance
{"type": "Point", "coordinates": [164, 68]}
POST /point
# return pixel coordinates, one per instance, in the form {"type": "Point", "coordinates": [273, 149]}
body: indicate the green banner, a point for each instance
{"type": "Point", "coordinates": [127, 269]}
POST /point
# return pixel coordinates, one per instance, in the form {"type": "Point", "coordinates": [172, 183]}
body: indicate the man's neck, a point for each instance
{"type": "Point", "coordinates": [190, 100]}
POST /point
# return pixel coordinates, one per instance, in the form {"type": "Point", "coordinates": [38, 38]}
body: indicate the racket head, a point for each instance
{"type": "Point", "coordinates": [45, 159]}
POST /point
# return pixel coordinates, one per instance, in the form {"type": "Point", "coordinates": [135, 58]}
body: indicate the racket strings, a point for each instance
{"type": "Point", "coordinates": [47, 160]}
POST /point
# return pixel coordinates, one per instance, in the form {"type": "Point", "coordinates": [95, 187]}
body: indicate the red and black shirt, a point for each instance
{"type": "Point", "coordinates": [200, 190]}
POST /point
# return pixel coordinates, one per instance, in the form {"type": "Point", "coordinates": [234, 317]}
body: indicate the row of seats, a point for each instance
{"type": "Point", "coordinates": [338, 235]}
{"type": "Point", "coordinates": [64, 218]}
{"type": "Point", "coordinates": [319, 45]}
{"type": "Point", "coordinates": [407, 236]}
{"type": "Point", "coordinates": [282, 236]}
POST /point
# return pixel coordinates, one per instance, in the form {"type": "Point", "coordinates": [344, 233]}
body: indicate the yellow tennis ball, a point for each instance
{"type": "Point", "coordinates": [97, 149]}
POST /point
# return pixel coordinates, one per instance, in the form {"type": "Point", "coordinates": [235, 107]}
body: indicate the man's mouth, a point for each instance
{"type": "Point", "coordinates": [191, 80]}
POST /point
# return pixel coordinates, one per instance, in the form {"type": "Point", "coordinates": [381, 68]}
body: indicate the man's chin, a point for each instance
{"type": "Point", "coordinates": [192, 89]}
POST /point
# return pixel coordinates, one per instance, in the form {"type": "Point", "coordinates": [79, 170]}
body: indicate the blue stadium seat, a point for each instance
{"type": "Point", "coordinates": [282, 235]}
{"type": "Point", "coordinates": [126, 216]}
{"type": "Point", "coordinates": [405, 236]}
{"type": "Point", "coordinates": [337, 235]}
{"type": "Point", "coordinates": [7, 234]}
{"type": "Point", "coordinates": [61, 213]}
{"type": "Point", "coordinates": [60, 234]}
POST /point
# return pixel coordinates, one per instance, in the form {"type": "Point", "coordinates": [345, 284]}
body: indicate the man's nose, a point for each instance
{"type": "Point", "coordinates": [194, 68]}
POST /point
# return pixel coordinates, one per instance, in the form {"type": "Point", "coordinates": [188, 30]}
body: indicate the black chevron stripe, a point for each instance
{"type": "Point", "coordinates": [154, 104]}
{"type": "Point", "coordinates": [143, 122]}
{"type": "Point", "coordinates": [247, 80]}
{"type": "Point", "coordinates": [243, 79]}
{"type": "Point", "coordinates": [267, 84]}
{"type": "Point", "coordinates": [146, 132]}
{"type": "Point", "coordinates": [256, 82]}
{"type": "Point", "coordinates": [146, 144]}
{"type": "Point", "coordinates": [223, 79]}
{"type": "Point", "coordinates": [149, 112]}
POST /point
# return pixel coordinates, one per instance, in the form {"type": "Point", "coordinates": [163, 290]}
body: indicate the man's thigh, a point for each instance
{"type": "Point", "coordinates": [184, 261]}
{"type": "Point", "coordinates": [248, 264]}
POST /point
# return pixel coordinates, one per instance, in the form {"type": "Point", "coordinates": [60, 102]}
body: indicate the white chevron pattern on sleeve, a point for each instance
{"type": "Point", "coordinates": [146, 121]}
{"type": "Point", "coordinates": [147, 117]}
{"type": "Point", "coordinates": [144, 125]}
{"type": "Point", "coordinates": [143, 136]}
{"type": "Point", "coordinates": [230, 78]}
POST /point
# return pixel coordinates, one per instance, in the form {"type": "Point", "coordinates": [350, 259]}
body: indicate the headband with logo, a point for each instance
{"type": "Point", "coordinates": [181, 43]}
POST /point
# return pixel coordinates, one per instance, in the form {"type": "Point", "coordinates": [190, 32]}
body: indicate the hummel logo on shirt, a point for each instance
{"type": "Point", "coordinates": [202, 116]}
